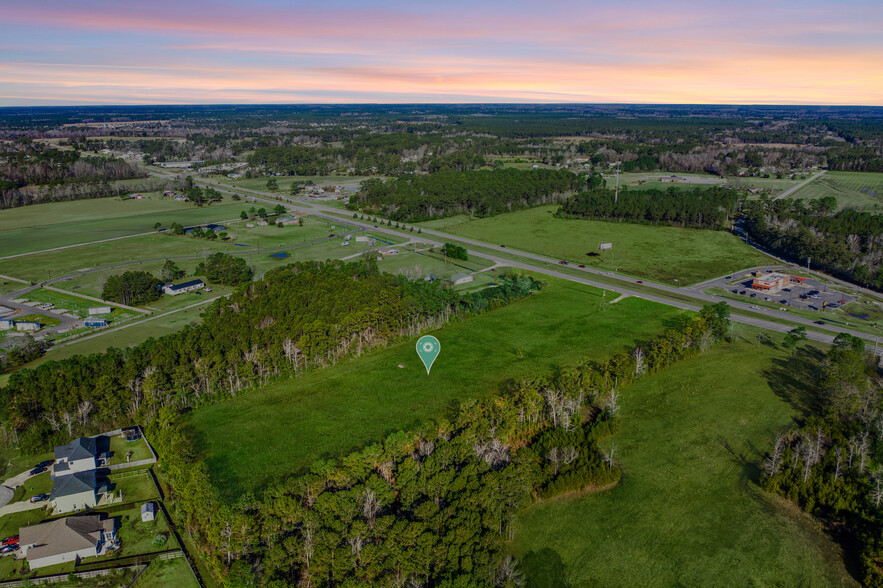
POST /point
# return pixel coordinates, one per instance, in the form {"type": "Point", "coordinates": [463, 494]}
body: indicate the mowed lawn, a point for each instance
{"type": "Point", "coordinates": [264, 434]}
{"type": "Point", "coordinates": [687, 512]}
{"type": "Point", "coordinates": [59, 224]}
{"type": "Point", "coordinates": [859, 190]}
{"type": "Point", "coordinates": [657, 253]}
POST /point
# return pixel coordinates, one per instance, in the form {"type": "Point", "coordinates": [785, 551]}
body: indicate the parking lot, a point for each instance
{"type": "Point", "coordinates": [808, 295]}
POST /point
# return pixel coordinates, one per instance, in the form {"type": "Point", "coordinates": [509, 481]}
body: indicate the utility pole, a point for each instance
{"type": "Point", "coordinates": [808, 260]}
{"type": "Point", "coordinates": [616, 191]}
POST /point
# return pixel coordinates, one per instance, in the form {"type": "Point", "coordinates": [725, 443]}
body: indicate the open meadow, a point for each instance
{"type": "Point", "coordinates": [252, 440]}
{"type": "Point", "coordinates": [59, 224]}
{"type": "Point", "coordinates": [659, 253]}
{"type": "Point", "coordinates": [859, 190]}
{"type": "Point", "coordinates": [687, 511]}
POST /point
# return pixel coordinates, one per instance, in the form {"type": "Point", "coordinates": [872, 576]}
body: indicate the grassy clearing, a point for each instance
{"type": "Point", "coordinates": [687, 511]}
{"type": "Point", "coordinates": [653, 252]}
{"type": "Point", "coordinates": [137, 486]}
{"type": "Point", "coordinates": [859, 190]}
{"type": "Point", "coordinates": [248, 442]}
{"type": "Point", "coordinates": [74, 304]}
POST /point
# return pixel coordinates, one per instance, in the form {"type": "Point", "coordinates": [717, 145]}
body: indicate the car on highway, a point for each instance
{"type": "Point", "coordinates": [39, 498]}
{"type": "Point", "coordinates": [818, 322]}
{"type": "Point", "coordinates": [503, 246]}
{"type": "Point", "coordinates": [728, 278]}
{"type": "Point", "coordinates": [754, 307]}
{"type": "Point", "coordinates": [12, 540]}
{"type": "Point", "coordinates": [783, 308]}
{"type": "Point", "coordinates": [582, 266]}
{"type": "Point", "coordinates": [562, 262]}
{"type": "Point", "coordinates": [639, 282]}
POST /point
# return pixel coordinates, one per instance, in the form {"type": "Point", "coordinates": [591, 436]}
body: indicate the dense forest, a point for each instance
{"type": "Point", "coordinates": [706, 209]}
{"type": "Point", "coordinates": [482, 193]}
{"type": "Point", "coordinates": [831, 464]}
{"type": "Point", "coordinates": [432, 506]}
{"type": "Point", "coordinates": [848, 244]}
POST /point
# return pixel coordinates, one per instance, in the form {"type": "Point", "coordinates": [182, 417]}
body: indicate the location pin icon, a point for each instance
{"type": "Point", "coordinates": [428, 348]}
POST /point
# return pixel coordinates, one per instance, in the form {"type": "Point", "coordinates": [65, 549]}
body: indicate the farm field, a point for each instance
{"type": "Point", "coordinates": [333, 411]}
{"type": "Point", "coordinates": [859, 190]}
{"type": "Point", "coordinates": [657, 253]}
{"type": "Point", "coordinates": [687, 511]}
{"type": "Point", "coordinates": [25, 229]}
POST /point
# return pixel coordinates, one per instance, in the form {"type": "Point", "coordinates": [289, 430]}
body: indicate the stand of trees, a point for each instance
{"type": "Point", "coordinates": [847, 244]}
{"type": "Point", "coordinates": [132, 288]}
{"type": "Point", "coordinates": [455, 251]}
{"type": "Point", "coordinates": [482, 192]}
{"type": "Point", "coordinates": [705, 209]}
{"type": "Point", "coordinates": [222, 268]}
{"type": "Point", "coordinates": [830, 465]}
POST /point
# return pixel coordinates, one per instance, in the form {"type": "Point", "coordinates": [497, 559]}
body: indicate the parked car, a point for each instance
{"type": "Point", "coordinates": [841, 302]}
{"type": "Point", "coordinates": [767, 298]}
{"type": "Point", "coordinates": [728, 278]}
{"type": "Point", "coordinates": [742, 292]}
{"type": "Point", "coordinates": [9, 548]}
{"type": "Point", "coordinates": [833, 306]}
{"type": "Point", "coordinates": [786, 289]}
{"type": "Point", "coordinates": [754, 307]}
{"type": "Point", "coordinates": [754, 294]}
{"type": "Point", "coordinates": [783, 301]}
{"type": "Point", "coordinates": [45, 464]}
{"type": "Point", "coordinates": [13, 540]}
{"type": "Point", "coordinates": [36, 471]}
{"type": "Point", "coordinates": [39, 498]}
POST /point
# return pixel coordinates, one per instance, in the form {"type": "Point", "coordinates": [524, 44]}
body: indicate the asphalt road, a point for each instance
{"type": "Point", "coordinates": [698, 299]}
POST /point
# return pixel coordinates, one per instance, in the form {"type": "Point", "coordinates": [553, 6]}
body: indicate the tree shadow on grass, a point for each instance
{"type": "Point", "coordinates": [544, 569]}
{"type": "Point", "coordinates": [793, 379]}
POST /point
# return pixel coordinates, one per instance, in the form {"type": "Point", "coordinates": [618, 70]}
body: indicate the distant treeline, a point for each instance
{"type": "Point", "coordinates": [848, 244]}
{"type": "Point", "coordinates": [433, 506]}
{"type": "Point", "coordinates": [481, 193]}
{"type": "Point", "coordinates": [705, 209]}
{"type": "Point", "coordinates": [53, 175]}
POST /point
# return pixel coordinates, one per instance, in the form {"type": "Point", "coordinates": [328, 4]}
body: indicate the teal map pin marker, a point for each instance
{"type": "Point", "coordinates": [428, 348]}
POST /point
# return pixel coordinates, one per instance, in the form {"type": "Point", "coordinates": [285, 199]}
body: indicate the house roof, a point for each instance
{"type": "Point", "coordinates": [66, 535]}
{"type": "Point", "coordinates": [459, 276]}
{"type": "Point", "coordinates": [185, 284]}
{"type": "Point", "coordinates": [80, 448]}
{"type": "Point", "coordinates": [73, 484]}
{"type": "Point", "coordinates": [148, 507]}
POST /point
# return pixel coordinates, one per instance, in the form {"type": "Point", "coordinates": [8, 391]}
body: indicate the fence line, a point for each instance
{"type": "Point", "coordinates": [64, 577]}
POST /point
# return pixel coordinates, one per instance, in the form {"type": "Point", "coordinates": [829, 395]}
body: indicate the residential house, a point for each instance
{"type": "Point", "coordinates": [73, 492]}
{"type": "Point", "coordinates": [80, 455]}
{"type": "Point", "coordinates": [191, 286]}
{"type": "Point", "coordinates": [70, 539]}
{"type": "Point", "coordinates": [148, 512]}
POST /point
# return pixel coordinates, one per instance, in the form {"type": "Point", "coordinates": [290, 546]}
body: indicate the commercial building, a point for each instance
{"type": "Point", "coordinates": [27, 326]}
{"type": "Point", "coordinates": [191, 286]}
{"type": "Point", "coordinates": [6, 324]}
{"type": "Point", "coordinates": [96, 323]}
{"type": "Point", "coordinates": [770, 282]}
{"type": "Point", "coordinates": [70, 539]}
{"type": "Point", "coordinates": [100, 310]}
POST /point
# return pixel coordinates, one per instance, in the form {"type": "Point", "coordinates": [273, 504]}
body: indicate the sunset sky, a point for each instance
{"type": "Point", "coordinates": [275, 51]}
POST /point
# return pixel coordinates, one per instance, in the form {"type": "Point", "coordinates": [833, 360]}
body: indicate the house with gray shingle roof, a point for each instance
{"type": "Point", "coordinates": [75, 491]}
{"type": "Point", "coordinates": [66, 540]}
{"type": "Point", "coordinates": [79, 455]}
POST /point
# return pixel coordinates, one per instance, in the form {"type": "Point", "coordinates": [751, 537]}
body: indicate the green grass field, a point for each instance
{"type": "Point", "coordinates": [687, 512]}
{"type": "Point", "coordinates": [653, 252]}
{"type": "Point", "coordinates": [76, 305]}
{"type": "Point", "coordinates": [285, 182]}
{"type": "Point", "coordinates": [59, 224]}
{"type": "Point", "coordinates": [859, 190]}
{"type": "Point", "coordinates": [249, 441]}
